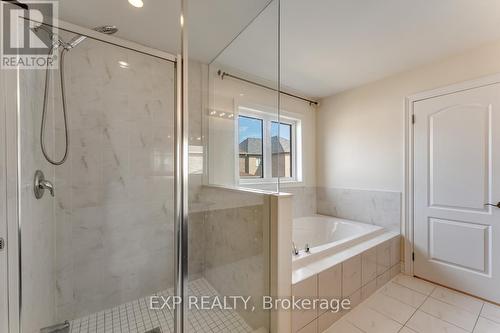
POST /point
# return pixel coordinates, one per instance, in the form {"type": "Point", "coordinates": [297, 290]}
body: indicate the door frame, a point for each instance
{"type": "Point", "coordinates": [408, 194]}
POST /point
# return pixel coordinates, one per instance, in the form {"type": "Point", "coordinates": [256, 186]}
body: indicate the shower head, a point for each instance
{"type": "Point", "coordinates": [105, 29]}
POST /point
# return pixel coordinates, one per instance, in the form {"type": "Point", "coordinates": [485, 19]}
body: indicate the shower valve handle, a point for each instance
{"type": "Point", "coordinates": [40, 184]}
{"type": "Point", "coordinates": [45, 184]}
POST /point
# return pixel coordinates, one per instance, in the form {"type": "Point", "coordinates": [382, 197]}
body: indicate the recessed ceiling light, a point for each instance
{"type": "Point", "coordinates": [136, 3]}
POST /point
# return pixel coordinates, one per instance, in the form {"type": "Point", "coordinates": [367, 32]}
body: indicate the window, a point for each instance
{"type": "Point", "coordinates": [267, 148]}
{"type": "Point", "coordinates": [251, 146]}
{"type": "Point", "coordinates": [281, 143]}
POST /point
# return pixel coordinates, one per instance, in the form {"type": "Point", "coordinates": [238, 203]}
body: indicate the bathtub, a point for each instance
{"type": "Point", "coordinates": [327, 236]}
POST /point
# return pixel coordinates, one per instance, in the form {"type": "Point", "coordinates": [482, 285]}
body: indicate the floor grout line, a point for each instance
{"type": "Point", "coordinates": [383, 314]}
{"type": "Point", "coordinates": [459, 307]}
{"type": "Point", "coordinates": [430, 314]}
{"type": "Point", "coordinates": [479, 316]}
{"type": "Point", "coordinates": [418, 308]}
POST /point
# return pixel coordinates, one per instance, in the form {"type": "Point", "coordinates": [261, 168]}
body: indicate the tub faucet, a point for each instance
{"type": "Point", "coordinates": [307, 248]}
{"type": "Point", "coordinates": [295, 251]}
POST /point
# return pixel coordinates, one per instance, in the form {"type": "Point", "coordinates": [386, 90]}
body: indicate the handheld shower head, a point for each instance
{"type": "Point", "coordinates": [105, 29]}
{"type": "Point", "coordinates": [54, 37]}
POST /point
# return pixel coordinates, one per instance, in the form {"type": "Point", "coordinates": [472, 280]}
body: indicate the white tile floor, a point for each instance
{"type": "Point", "coordinates": [136, 317]}
{"type": "Point", "coordinates": [410, 305]}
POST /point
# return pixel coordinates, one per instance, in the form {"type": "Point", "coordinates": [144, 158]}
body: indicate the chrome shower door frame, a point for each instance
{"type": "Point", "coordinates": [10, 122]}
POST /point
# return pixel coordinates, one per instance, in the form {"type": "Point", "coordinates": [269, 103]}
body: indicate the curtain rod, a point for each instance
{"type": "Point", "coordinates": [17, 3]}
{"type": "Point", "coordinates": [224, 74]}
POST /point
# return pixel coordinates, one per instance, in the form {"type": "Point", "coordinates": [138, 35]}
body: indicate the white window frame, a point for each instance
{"type": "Point", "coordinates": [268, 116]}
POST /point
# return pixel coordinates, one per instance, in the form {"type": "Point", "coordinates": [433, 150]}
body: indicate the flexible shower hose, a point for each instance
{"type": "Point", "coordinates": [44, 112]}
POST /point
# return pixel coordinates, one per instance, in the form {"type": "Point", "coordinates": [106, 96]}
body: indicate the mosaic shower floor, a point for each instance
{"type": "Point", "coordinates": [136, 317]}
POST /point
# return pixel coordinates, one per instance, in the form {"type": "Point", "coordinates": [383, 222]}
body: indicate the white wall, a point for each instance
{"type": "Point", "coordinates": [360, 133]}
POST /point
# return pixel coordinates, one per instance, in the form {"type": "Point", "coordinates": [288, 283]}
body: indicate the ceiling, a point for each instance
{"type": "Point", "coordinates": [212, 24]}
{"type": "Point", "coordinates": [328, 46]}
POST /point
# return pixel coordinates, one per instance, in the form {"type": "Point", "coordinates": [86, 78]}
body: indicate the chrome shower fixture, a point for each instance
{"type": "Point", "coordinates": [66, 46]}
{"type": "Point", "coordinates": [105, 29]}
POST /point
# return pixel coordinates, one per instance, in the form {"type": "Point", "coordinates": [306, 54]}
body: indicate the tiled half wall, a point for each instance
{"type": "Point", "coordinates": [355, 279]}
{"type": "Point", "coordinates": [382, 208]}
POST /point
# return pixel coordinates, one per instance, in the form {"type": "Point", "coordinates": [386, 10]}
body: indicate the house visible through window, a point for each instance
{"type": "Point", "coordinates": [251, 147]}
{"type": "Point", "coordinates": [267, 149]}
{"type": "Point", "coordinates": [281, 143]}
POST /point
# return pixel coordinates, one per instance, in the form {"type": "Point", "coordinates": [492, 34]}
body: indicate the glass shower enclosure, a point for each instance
{"type": "Point", "coordinates": [128, 182]}
{"type": "Point", "coordinates": [96, 228]}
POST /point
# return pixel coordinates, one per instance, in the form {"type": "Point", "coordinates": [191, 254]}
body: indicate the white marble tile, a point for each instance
{"type": "Point", "coordinates": [351, 275]}
{"type": "Point", "coordinates": [369, 320]}
{"type": "Point", "coordinates": [407, 330]}
{"type": "Point", "coordinates": [307, 289]}
{"type": "Point", "coordinates": [135, 317]}
{"type": "Point", "coordinates": [325, 263]}
{"type": "Point", "coordinates": [235, 257]}
{"type": "Point", "coordinates": [395, 270]}
{"type": "Point", "coordinates": [383, 257]}
{"type": "Point", "coordinates": [312, 327]}
{"type": "Point", "coordinates": [403, 294]}
{"type": "Point", "coordinates": [449, 313]}
{"type": "Point", "coordinates": [383, 279]}
{"type": "Point", "coordinates": [418, 285]}
{"type": "Point", "coordinates": [304, 200]}
{"type": "Point", "coordinates": [330, 283]}
{"type": "Point", "coordinates": [395, 251]}
{"type": "Point", "coordinates": [301, 274]}
{"type": "Point", "coordinates": [486, 326]}
{"type": "Point", "coordinates": [342, 326]}
{"type": "Point", "coordinates": [368, 289]}
{"type": "Point", "coordinates": [391, 307]}
{"type": "Point", "coordinates": [460, 300]}
{"type": "Point", "coordinates": [491, 312]}
{"type": "Point", "coordinates": [381, 208]}
{"type": "Point", "coordinates": [327, 319]}
{"type": "Point", "coordinates": [368, 266]}
{"type": "Point", "coordinates": [112, 200]}
{"type": "Point", "coordinates": [422, 322]}
{"type": "Point", "coordinates": [355, 299]}
{"type": "Point", "coordinates": [39, 270]}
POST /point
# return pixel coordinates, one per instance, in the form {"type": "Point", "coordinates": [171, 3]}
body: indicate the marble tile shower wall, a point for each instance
{"type": "Point", "coordinates": [229, 238]}
{"type": "Point", "coordinates": [382, 208]}
{"type": "Point", "coordinates": [304, 200]}
{"type": "Point", "coordinates": [115, 193]}
{"type": "Point", "coordinates": [227, 228]}
{"type": "Point", "coordinates": [38, 229]}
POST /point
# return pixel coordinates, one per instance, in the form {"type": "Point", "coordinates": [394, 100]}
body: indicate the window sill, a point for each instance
{"type": "Point", "coordinates": [287, 183]}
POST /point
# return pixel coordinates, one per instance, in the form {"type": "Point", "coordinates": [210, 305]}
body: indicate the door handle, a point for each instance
{"type": "Point", "coordinates": [494, 205]}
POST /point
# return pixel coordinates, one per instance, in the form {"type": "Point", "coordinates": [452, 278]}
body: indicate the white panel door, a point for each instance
{"type": "Point", "coordinates": [457, 172]}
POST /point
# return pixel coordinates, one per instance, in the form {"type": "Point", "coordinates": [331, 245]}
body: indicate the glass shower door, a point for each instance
{"type": "Point", "coordinates": [94, 250]}
{"type": "Point", "coordinates": [233, 101]}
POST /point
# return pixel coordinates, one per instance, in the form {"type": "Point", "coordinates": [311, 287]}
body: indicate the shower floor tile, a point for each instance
{"type": "Point", "coordinates": [136, 317]}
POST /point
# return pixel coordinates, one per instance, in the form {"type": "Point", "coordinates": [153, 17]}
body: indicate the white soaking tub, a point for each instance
{"type": "Point", "coordinates": [328, 235]}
